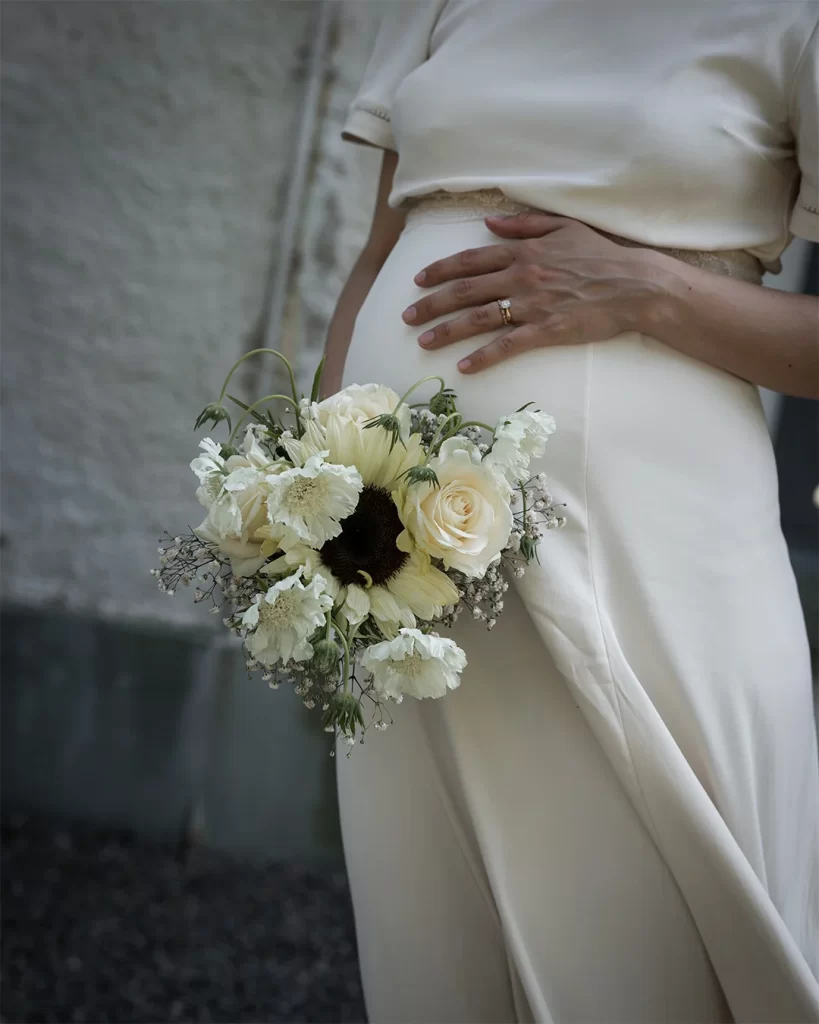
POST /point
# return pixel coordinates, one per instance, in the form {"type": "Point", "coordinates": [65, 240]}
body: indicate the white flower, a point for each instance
{"type": "Point", "coordinates": [236, 493]}
{"type": "Point", "coordinates": [519, 438]}
{"type": "Point", "coordinates": [311, 443]}
{"type": "Point", "coordinates": [415, 664]}
{"type": "Point", "coordinates": [466, 521]}
{"type": "Point", "coordinates": [377, 455]}
{"type": "Point", "coordinates": [282, 619]}
{"type": "Point", "coordinates": [416, 589]}
{"type": "Point", "coordinates": [210, 470]}
{"type": "Point", "coordinates": [313, 498]}
{"type": "Point", "coordinates": [362, 402]}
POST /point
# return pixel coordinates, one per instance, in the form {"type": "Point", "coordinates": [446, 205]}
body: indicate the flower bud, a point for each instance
{"type": "Point", "coordinates": [528, 547]}
{"type": "Point", "coordinates": [344, 713]}
{"type": "Point", "coordinates": [214, 413]}
{"type": "Point", "coordinates": [326, 656]}
{"type": "Point", "coordinates": [443, 403]}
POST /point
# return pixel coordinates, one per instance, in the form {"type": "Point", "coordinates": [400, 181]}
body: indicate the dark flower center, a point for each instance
{"type": "Point", "coordinates": [367, 541]}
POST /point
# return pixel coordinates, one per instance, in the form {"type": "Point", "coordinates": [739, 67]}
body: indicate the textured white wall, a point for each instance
{"type": "Point", "coordinates": [341, 195]}
{"type": "Point", "coordinates": [145, 155]}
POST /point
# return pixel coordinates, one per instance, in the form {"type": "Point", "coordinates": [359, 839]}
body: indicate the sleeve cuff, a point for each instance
{"type": "Point", "coordinates": [370, 127]}
{"type": "Point", "coordinates": [805, 217]}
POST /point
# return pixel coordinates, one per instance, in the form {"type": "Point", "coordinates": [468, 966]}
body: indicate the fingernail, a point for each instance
{"type": "Point", "coordinates": [464, 364]}
{"type": "Point", "coordinates": [410, 314]}
{"type": "Point", "coordinates": [421, 277]}
{"type": "Point", "coordinates": [426, 338]}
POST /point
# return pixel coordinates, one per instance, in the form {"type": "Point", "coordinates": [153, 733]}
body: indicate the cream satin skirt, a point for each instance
{"type": "Point", "coordinates": [615, 818]}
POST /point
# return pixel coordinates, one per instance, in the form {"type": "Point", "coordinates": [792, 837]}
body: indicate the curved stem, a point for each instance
{"type": "Point", "coordinates": [254, 352]}
{"type": "Point", "coordinates": [437, 435]}
{"type": "Point", "coordinates": [476, 423]}
{"type": "Point", "coordinates": [418, 384]}
{"type": "Point", "coordinates": [250, 408]}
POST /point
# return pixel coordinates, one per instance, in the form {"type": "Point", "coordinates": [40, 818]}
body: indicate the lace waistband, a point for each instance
{"type": "Point", "coordinates": [735, 263]}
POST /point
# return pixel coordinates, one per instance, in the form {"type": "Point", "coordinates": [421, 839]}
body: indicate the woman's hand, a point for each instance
{"type": "Point", "coordinates": [567, 285]}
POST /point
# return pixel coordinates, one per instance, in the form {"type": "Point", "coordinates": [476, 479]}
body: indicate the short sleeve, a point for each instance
{"type": "Point", "coordinates": [401, 45]}
{"type": "Point", "coordinates": [805, 126]}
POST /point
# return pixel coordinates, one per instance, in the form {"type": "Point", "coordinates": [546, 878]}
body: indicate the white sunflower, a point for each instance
{"type": "Point", "coordinates": [365, 570]}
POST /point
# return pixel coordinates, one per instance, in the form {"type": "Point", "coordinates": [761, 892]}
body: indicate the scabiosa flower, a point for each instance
{"type": "Point", "coordinates": [416, 664]}
{"type": "Point", "coordinates": [283, 618]}
{"type": "Point", "coordinates": [519, 438]}
{"type": "Point", "coordinates": [313, 499]}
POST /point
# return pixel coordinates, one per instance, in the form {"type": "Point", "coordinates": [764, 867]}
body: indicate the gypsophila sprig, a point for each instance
{"type": "Point", "coordinates": [342, 536]}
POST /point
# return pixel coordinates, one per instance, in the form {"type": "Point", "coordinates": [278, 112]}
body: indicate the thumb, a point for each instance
{"type": "Point", "coordinates": [531, 224]}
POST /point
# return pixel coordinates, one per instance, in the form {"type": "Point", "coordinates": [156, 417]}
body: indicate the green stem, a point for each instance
{"type": "Point", "coordinates": [250, 408]}
{"type": "Point", "coordinates": [254, 352]}
{"type": "Point", "coordinates": [475, 423]}
{"type": "Point", "coordinates": [418, 384]}
{"type": "Point", "coordinates": [437, 434]}
{"type": "Point", "coordinates": [346, 668]}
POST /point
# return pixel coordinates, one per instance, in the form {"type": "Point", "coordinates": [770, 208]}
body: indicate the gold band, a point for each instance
{"type": "Point", "coordinates": [504, 307]}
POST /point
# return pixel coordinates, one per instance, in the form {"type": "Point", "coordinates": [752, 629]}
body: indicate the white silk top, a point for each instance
{"type": "Point", "coordinates": [677, 123]}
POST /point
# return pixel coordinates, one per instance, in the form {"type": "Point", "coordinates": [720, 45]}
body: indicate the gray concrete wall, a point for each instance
{"type": "Point", "coordinates": [146, 152]}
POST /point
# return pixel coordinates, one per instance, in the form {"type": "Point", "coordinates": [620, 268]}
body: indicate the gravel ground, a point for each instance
{"type": "Point", "coordinates": [99, 926]}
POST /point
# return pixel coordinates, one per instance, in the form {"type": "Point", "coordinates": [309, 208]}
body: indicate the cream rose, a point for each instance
{"type": "Point", "coordinates": [466, 521]}
{"type": "Point", "coordinates": [238, 507]}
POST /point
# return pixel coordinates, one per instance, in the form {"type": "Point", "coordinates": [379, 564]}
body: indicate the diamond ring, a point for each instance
{"type": "Point", "coordinates": [504, 305]}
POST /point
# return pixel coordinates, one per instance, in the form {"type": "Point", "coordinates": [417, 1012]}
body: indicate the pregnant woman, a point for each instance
{"type": "Point", "coordinates": [616, 816]}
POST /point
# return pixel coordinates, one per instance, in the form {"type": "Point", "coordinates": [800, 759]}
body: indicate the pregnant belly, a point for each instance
{"type": "Point", "coordinates": [384, 349]}
{"type": "Point", "coordinates": [634, 417]}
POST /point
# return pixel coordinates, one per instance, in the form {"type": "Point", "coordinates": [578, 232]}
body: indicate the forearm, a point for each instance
{"type": "Point", "coordinates": [340, 331]}
{"type": "Point", "coordinates": [767, 337]}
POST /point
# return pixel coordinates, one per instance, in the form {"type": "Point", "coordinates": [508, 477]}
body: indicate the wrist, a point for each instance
{"type": "Point", "coordinates": [665, 302]}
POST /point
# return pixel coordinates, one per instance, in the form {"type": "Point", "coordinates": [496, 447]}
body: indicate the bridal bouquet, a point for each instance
{"type": "Point", "coordinates": [341, 534]}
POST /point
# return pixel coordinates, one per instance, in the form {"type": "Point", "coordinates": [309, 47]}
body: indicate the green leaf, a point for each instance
{"type": "Point", "coordinates": [314, 393]}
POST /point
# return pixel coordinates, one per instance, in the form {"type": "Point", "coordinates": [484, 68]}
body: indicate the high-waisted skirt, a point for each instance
{"type": "Point", "coordinates": [615, 817]}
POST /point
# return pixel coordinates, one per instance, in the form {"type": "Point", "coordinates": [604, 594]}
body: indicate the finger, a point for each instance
{"type": "Point", "coordinates": [526, 225]}
{"type": "Point", "coordinates": [467, 263]}
{"type": "Point", "coordinates": [476, 321]}
{"type": "Point", "coordinates": [508, 345]}
{"type": "Point", "coordinates": [460, 294]}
